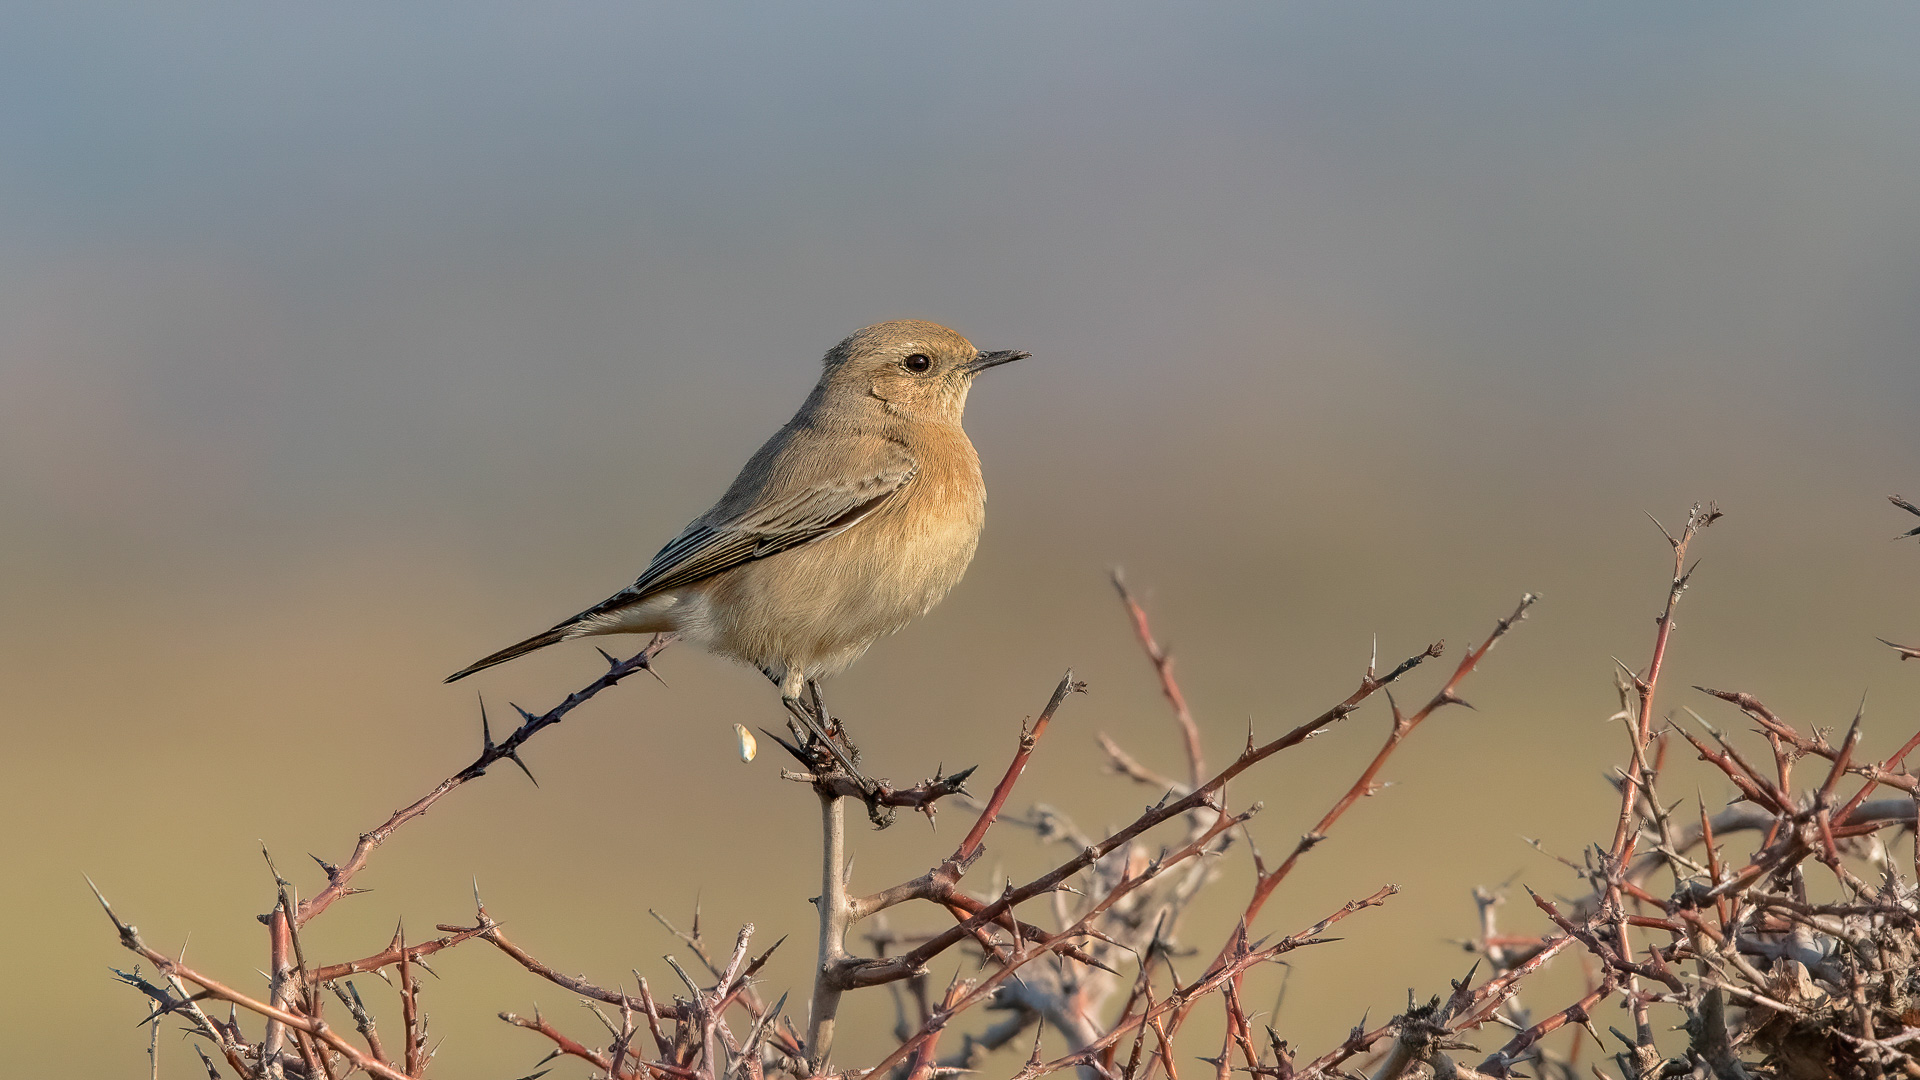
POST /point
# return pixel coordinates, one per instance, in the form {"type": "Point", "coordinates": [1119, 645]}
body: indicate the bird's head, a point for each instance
{"type": "Point", "coordinates": [919, 370]}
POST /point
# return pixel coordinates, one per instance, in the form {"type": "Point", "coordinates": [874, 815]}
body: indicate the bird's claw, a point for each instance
{"type": "Point", "coordinates": [881, 815]}
{"type": "Point", "coordinates": [825, 740]}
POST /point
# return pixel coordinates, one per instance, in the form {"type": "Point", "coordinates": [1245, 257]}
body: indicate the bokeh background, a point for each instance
{"type": "Point", "coordinates": [340, 345]}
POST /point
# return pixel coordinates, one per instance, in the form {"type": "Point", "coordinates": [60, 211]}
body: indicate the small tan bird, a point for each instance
{"type": "Point", "coordinates": [855, 518]}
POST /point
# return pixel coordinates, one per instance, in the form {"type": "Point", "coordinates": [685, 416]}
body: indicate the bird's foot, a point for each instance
{"type": "Point", "coordinates": [824, 740]}
{"type": "Point", "coordinates": [826, 736]}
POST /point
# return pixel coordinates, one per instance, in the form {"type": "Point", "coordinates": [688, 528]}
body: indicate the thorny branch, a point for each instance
{"type": "Point", "coordinates": [1101, 896]}
{"type": "Point", "coordinates": [294, 988]}
{"type": "Point", "coordinates": [1163, 667]}
{"type": "Point", "coordinates": [1767, 982]}
{"type": "Point", "coordinates": [1770, 978]}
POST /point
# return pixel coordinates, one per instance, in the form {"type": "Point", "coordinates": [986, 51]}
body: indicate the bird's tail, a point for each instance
{"type": "Point", "coordinates": [538, 641]}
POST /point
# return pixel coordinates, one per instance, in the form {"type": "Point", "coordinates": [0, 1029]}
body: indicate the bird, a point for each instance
{"type": "Point", "coordinates": [854, 519]}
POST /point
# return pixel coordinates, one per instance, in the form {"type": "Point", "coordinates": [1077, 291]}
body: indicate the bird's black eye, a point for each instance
{"type": "Point", "coordinates": [918, 362]}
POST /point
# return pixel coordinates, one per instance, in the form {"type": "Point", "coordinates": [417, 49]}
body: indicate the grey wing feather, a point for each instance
{"type": "Point", "coordinates": [811, 511]}
{"type": "Point", "coordinates": [808, 514]}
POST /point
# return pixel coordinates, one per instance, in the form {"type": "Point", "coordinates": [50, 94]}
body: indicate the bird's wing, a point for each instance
{"type": "Point", "coordinates": [815, 496]}
{"type": "Point", "coordinates": [809, 512]}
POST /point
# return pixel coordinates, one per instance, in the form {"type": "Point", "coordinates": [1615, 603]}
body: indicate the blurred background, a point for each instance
{"type": "Point", "coordinates": [340, 346]}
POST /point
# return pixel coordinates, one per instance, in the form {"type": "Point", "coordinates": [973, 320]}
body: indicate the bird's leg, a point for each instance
{"type": "Point", "coordinates": [832, 725]}
{"type": "Point", "coordinates": [812, 709]}
{"type": "Point", "coordinates": [847, 755]}
{"type": "Point", "coordinates": [804, 722]}
{"type": "Point", "coordinates": [813, 733]}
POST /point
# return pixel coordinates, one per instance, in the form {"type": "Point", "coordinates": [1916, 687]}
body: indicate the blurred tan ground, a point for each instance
{"type": "Point", "coordinates": [1366, 342]}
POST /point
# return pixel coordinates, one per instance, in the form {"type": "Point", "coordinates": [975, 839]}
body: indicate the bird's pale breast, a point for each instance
{"type": "Point", "coordinates": [818, 607]}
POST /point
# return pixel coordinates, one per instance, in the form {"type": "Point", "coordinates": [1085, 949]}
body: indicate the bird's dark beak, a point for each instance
{"type": "Point", "coordinates": [994, 359]}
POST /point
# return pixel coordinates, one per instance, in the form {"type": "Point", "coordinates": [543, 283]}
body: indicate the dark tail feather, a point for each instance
{"type": "Point", "coordinates": [538, 641]}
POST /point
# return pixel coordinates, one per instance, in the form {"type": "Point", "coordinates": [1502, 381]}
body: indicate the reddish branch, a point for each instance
{"type": "Point", "coordinates": [491, 753]}
{"type": "Point", "coordinates": [391, 955]}
{"type": "Point", "coordinates": [868, 973]}
{"type": "Point", "coordinates": [1403, 726]}
{"type": "Point", "coordinates": [593, 1057]}
{"type": "Point", "coordinates": [1887, 772]}
{"type": "Point", "coordinates": [1268, 880]}
{"type": "Point", "coordinates": [940, 884]}
{"type": "Point", "coordinates": [282, 937]}
{"type": "Point", "coordinates": [1163, 667]}
{"type": "Point", "coordinates": [1210, 982]}
{"type": "Point", "coordinates": [409, 1010]}
{"type": "Point", "coordinates": [314, 1027]}
{"type": "Point", "coordinates": [579, 986]}
{"type": "Point", "coordinates": [1475, 1007]}
{"type": "Point", "coordinates": [294, 1004]}
{"type": "Point", "coordinates": [1646, 685]}
{"type": "Point", "coordinates": [1761, 907]}
{"type": "Point", "coordinates": [1023, 956]}
{"type": "Point", "coordinates": [971, 844]}
{"type": "Point", "coordinates": [1730, 919]}
{"type": "Point", "coordinates": [1500, 1062]}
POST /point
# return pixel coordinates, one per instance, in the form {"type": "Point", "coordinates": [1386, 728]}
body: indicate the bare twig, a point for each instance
{"type": "Point", "coordinates": [1163, 667]}
{"type": "Point", "coordinates": [340, 877]}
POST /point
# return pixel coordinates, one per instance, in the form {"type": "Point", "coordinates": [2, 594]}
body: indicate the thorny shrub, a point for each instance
{"type": "Point", "coordinates": [1762, 976]}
